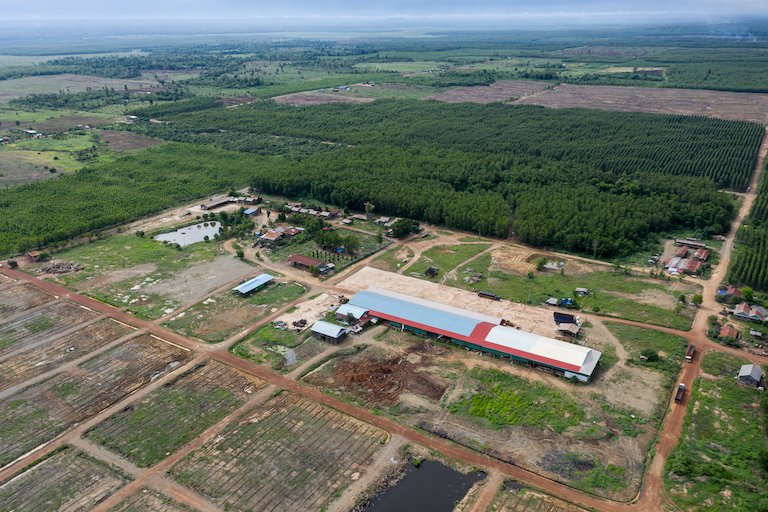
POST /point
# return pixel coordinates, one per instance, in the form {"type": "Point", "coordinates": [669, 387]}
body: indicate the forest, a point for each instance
{"type": "Point", "coordinates": [750, 256]}
{"type": "Point", "coordinates": [723, 151]}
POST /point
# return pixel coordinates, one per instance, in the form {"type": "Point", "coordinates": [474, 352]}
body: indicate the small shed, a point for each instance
{"type": "Point", "coordinates": [252, 211]}
{"type": "Point", "coordinates": [348, 310]}
{"type": "Point", "coordinates": [582, 292]}
{"type": "Point", "coordinates": [755, 334]}
{"type": "Point", "coordinates": [253, 285]}
{"type": "Point", "coordinates": [570, 329]}
{"type": "Point", "coordinates": [327, 331]}
{"type": "Point", "coordinates": [552, 301]}
{"type": "Point", "coordinates": [750, 374]}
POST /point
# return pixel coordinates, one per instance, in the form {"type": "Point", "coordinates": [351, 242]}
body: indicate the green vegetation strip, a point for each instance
{"type": "Point", "coordinates": [505, 399]}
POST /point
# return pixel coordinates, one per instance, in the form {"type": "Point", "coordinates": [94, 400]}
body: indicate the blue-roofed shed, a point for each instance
{"type": "Point", "coordinates": [253, 284]}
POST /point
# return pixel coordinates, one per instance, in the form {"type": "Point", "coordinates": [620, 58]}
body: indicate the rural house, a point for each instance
{"type": "Point", "coordinates": [326, 331]}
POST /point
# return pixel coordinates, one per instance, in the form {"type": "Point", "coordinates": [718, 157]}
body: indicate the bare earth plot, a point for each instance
{"type": "Point", "coordinates": [127, 141]}
{"type": "Point", "coordinates": [287, 454]}
{"type": "Point", "coordinates": [42, 411]}
{"type": "Point", "coordinates": [514, 497]}
{"type": "Point", "coordinates": [39, 323]}
{"type": "Point", "coordinates": [147, 431]}
{"type": "Point", "coordinates": [67, 480]}
{"type": "Point", "coordinates": [20, 298]}
{"type": "Point", "coordinates": [16, 88]}
{"type": "Point", "coordinates": [35, 361]}
{"type": "Point", "coordinates": [148, 500]}
{"type": "Point", "coordinates": [61, 124]}
{"type": "Point", "coordinates": [303, 99]}
{"type": "Point", "coordinates": [725, 105]}
{"type": "Point", "coordinates": [503, 90]}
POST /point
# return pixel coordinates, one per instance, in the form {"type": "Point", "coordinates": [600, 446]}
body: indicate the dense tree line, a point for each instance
{"type": "Point", "coordinates": [749, 266]}
{"type": "Point", "coordinates": [723, 151]}
{"type": "Point", "coordinates": [94, 98]}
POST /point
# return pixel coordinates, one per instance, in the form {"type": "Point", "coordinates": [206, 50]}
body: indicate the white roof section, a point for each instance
{"type": "Point", "coordinates": [328, 329]}
{"type": "Point", "coordinates": [557, 351]}
{"type": "Point", "coordinates": [445, 308]}
{"type": "Point", "coordinates": [252, 284]}
{"type": "Point", "coordinates": [350, 309]}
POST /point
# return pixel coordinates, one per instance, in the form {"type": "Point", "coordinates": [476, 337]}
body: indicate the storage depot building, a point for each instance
{"type": "Point", "coordinates": [478, 331]}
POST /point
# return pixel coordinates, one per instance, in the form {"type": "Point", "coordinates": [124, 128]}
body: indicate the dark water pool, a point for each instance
{"type": "Point", "coordinates": [432, 487]}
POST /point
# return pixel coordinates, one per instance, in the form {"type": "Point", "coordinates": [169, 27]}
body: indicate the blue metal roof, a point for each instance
{"type": "Point", "coordinates": [417, 311]}
{"type": "Point", "coordinates": [249, 211]}
{"type": "Point", "coordinates": [252, 284]}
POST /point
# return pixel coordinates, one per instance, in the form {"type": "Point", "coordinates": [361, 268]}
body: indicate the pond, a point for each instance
{"type": "Point", "coordinates": [431, 486]}
{"type": "Point", "coordinates": [191, 234]}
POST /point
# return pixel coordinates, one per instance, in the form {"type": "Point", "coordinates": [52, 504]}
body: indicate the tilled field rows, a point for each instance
{"type": "Point", "coordinates": [515, 499]}
{"type": "Point", "coordinates": [147, 431]}
{"type": "Point", "coordinates": [20, 298]}
{"type": "Point", "coordinates": [19, 367]}
{"type": "Point", "coordinates": [148, 500]}
{"type": "Point", "coordinates": [40, 323]}
{"type": "Point", "coordinates": [286, 454]}
{"type": "Point", "coordinates": [68, 480]}
{"type": "Point", "coordinates": [42, 411]}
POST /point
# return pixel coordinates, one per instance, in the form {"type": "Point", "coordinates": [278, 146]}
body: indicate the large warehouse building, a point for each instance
{"type": "Point", "coordinates": [478, 331]}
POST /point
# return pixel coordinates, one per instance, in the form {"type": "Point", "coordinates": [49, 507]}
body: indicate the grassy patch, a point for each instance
{"type": "Point", "coordinates": [721, 364]}
{"type": "Point", "coordinates": [217, 318]}
{"type": "Point", "coordinates": [446, 257]}
{"type": "Point", "coordinates": [389, 261]}
{"type": "Point", "coordinates": [266, 344]}
{"type": "Point", "coordinates": [611, 292]}
{"type": "Point", "coordinates": [670, 348]}
{"type": "Point", "coordinates": [720, 462]}
{"type": "Point", "coordinates": [505, 399]}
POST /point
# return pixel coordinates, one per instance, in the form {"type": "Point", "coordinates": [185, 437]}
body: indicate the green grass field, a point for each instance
{"type": "Point", "coordinates": [266, 344]}
{"type": "Point", "coordinates": [445, 257]}
{"type": "Point", "coordinates": [402, 67]}
{"type": "Point", "coordinates": [611, 292]}
{"type": "Point", "coordinates": [670, 348]}
{"type": "Point", "coordinates": [721, 462]}
{"type": "Point", "coordinates": [720, 364]}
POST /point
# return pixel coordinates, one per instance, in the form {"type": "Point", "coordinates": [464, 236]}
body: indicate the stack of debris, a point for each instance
{"type": "Point", "coordinates": [60, 267]}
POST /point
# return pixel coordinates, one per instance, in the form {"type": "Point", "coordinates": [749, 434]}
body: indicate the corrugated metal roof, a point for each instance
{"type": "Point", "coordinates": [351, 309]}
{"type": "Point", "coordinates": [252, 284]}
{"type": "Point", "coordinates": [751, 370]}
{"type": "Point", "coordinates": [476, 328]}
{"type": "Point", "coordinates": [440, 316]}
{"type": "Point", "coordinates": [328, 329]}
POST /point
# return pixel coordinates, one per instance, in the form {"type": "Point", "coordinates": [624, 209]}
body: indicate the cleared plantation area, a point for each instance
{"type": "Point", "coordinates": [20, 298]}
{"type": "Point", "coordinates": [43, 411]}
{"type": "Point", "coordinates": [513, 497]}
{"type": "Point", "coordinates": [217, 318]}
{"type": "Point", "coordinates": [149, 430]}
{"type": "Point", "coordinates": [40, 323]}
{"type": "Point", "coordinates": [69, 480]}
{"type": "Point", "coordinates": [19, 367]}
{"type": "Point", "coordinates": [286, 454]}
{"type": "Point", "coordinates": [149, 500]}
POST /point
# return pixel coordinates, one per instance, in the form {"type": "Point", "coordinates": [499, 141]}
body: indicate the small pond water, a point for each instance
{"type": "Point", "coordinates": [190, 234]}
{"type": "Point", "coordinates": [431, 487]}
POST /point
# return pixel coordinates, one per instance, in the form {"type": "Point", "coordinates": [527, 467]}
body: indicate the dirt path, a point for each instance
{"type": "Point", "coordinates": [489, 490]}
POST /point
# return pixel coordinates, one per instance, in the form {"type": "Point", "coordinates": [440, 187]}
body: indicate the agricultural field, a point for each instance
{"type": "Point", "coordinates": [48, 84]}
{"type": "Point", "coordinates": [37, 359]}
{"type": "Point", "coordinates": [511, 273]}
{"type": "Point", "coordinates": [146, 277]}
{"type": "Point", "coordinates": [149, 500]}
{"type": "Point", "coordinates": [21, 297]}
{"type": "Point", "coordinates": [719, 463]}
{"type": "Point", "coordinates": [218, 317]}
{"type": "Point", "coordinates": [150, 429]}
{"type": "Point", "coordinates": [287, 453]}
{"type": "Point", "coordinates": [401, 67]}
{"type": "Point", "coordinates": [122, 141]}
{"type": "Point", "coordinates": [42, 411]}
{"type": "Point", "coordinates": [502, 90]}
{"type": "Point", "coordinates": [505, 410]}
{"type": "Point", "coordinates": [41, 324]}
{"type": "Point", "coordinates": [749, 265]}
{"type": "Point", "coordinates": [445, 258]}
{"type": "Point", "coordinates": [392, 259]}
{"type": "Point", "coordinates": [66, 480]}
{"type": "Point", "coordinates": [515, 497]}
{"type": "Point", "coordinates": [722, 105]}
{"type": "Point", "coordinates": [302, 99]}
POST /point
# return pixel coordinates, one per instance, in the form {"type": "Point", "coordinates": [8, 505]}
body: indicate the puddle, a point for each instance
{"type": "Point", "coordinates": [191, 234]}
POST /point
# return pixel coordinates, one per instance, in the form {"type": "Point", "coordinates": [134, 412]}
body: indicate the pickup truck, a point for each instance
{"type": "Point", "coordinates": [680, 393]}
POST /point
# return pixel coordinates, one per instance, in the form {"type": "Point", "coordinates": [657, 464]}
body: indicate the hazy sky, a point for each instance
{"type": "Point", "coordinates": [350, 10]}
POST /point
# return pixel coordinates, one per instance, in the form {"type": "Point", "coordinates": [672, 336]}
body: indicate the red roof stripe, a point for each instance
{"type": "Point", "coordinates": [478, 337]}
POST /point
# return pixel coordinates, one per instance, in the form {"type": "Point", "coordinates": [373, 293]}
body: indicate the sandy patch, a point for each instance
{"type": "Point", "coordinates": [201, 279]}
